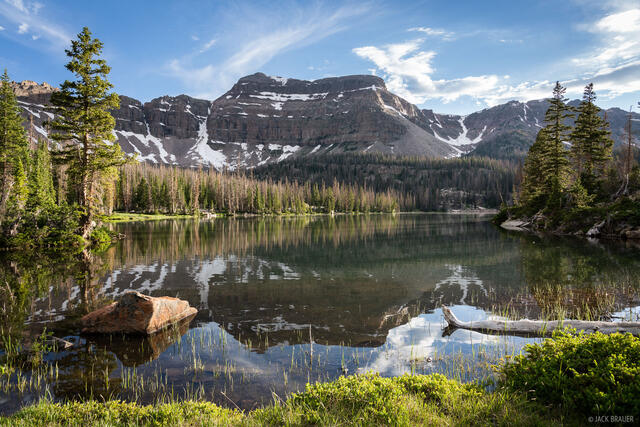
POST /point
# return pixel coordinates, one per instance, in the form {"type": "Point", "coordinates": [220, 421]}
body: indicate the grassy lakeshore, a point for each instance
{"type": "Point", "coordinates": [133, 217]}
{"type": "Point", "coordinates": [566, 380]}
{"type": "Point", "coordinates": [138, 217]}
{"type": "Point", "coordinates": [356, 400]}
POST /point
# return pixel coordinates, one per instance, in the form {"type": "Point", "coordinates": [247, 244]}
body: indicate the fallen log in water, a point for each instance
{"type": "Point", "coordinates": [539, 327]}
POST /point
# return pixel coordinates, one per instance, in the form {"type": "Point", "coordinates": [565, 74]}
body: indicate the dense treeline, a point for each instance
{"type": "Point", "coordinates": [421, 183]}
{"type": "Point", "coordinates": [163, 189]}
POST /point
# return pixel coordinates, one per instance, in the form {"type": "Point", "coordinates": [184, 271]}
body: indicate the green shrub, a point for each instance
{"type": "Point", "coordinates": [122, 413]}
{"type": "Point", "coordinates": [501, 216]}
{"type": "Point", "coordinates": [584, 373]}
{"type": "Point", "coordinates": [54, 229]}
{"type": "Point", "coordinates": [101, 239]}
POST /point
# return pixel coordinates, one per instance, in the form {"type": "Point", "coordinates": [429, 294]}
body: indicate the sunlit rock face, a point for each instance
{"type": "Point", "coordinates": [264, 119]}
{"type": "Point", "coordinates": [287, 117]}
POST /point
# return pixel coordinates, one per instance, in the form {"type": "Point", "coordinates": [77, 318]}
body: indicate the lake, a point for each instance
{"type": "Point", "coordinates": [283, 301]}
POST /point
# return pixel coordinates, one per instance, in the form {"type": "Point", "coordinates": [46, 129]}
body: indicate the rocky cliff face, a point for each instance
{"type": "Point", "coordinates": [272, 118]}
{"type": "Point", "coordinates": [264, 119]}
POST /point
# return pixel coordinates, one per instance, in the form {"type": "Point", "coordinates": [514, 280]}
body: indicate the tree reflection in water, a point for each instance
{"type": "Point", "coordinates": [365, 289]}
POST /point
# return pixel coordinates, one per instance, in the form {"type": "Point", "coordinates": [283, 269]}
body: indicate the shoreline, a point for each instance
{"type": "Point", "coordinates": [120, 217]}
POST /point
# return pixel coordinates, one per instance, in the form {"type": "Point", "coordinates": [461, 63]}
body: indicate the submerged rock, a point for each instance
{"type": "Point", "coordinates": [136, 313]}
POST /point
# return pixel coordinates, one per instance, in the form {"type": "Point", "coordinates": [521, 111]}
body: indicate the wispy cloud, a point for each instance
{"type": "Point", "coordinates": [613, 65]}
{"type": "Point", "coordinates": [28, 19]}
{"type": "Point", "coordinates": [618, 40]}
{"type": "Point", "coordinates": [270, 34]}
{"type": "Point", "coordinates": [208, 45]}
{"type": "Point", "coordinates": [408, 72]}
{"type": "Point", "coordinates": [435, 32]}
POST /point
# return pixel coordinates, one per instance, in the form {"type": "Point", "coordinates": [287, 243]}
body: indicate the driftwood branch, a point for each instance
{"type": "Point", "coordinates": [539, 327]}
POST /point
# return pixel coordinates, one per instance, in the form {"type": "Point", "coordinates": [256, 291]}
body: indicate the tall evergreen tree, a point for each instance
{"type": "Point", "coordinates": [533, 179]}
{"type": "Point", "coordinates": [42, 194]}
{"type": "Point", "coordinates": [591, 143]}
{"type": "Point", "coordinates": [85, 126]}
{"type": "Point", "coordinates": [554, 161]}
{"type": "Point", "coordinates": [13, 147]}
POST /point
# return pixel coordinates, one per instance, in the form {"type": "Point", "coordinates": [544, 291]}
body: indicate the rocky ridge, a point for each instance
{"type": "Point", "coordinates": [264, 119]}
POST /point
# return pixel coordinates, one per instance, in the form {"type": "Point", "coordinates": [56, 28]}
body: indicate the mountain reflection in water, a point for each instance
{"type": "Point", "coordinates": [365, 290]}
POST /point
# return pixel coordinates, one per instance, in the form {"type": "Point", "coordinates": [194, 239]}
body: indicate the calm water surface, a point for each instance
{"type": "Point", "coordinates": [286, 301]}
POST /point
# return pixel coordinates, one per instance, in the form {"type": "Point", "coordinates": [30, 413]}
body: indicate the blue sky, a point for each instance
{"type": "Point", "coordinates": [453, 57]}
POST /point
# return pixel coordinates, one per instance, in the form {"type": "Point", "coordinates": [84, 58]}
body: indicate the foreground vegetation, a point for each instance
{"type": "Point", "coordinates": [568, 379]}
{"type": "Point", "coordinates": [356, 400]}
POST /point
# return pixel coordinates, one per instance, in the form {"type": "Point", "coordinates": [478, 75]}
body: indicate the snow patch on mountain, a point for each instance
{"type": "Point", "coordinates": [281, 80]}
{"type": "Point", "coordinates": [461, 139]}
{"type": "Point", "coordinates": [202, 151]}
{"type": "Point", "coordinates": [283, 97]}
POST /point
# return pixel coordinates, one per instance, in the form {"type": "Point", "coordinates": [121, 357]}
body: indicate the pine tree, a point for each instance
{"type": "Point", "coordinates": [554, 163]}
{"type": "Point", "coordinates": [592, 145]}
{"type": "Point", "coordinates": [42, 194]}
{"type": "Point", "coordinates": [85, 126]}
{"type": "Point", "coordinates": [13, 147]}
{"type": "Point", "coordinates": [141, 196]}
{"type": "Point", "coordinates": [19, 191]}
{"type": "Point", "coordinates": [533, 180]}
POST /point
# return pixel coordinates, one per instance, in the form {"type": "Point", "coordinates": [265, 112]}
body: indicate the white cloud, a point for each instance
{"type": "Point", "coordinates": [18, 4]}
{"type": "Point", "coordinates": [26, 15]}
{"type": "Point", "coordinates": [195, 38]}
{"type": "Point", "coordinates": [613, 65]}
{"type": "Point", "coordinates": [1, 28]}
{"type": "Point", "coordinates": [618, 40]}
{"type": "Point", "coordinates": [436, 32]}
{"type": "Point", "coordinates": [408, 72]}
{"type": "Point", "coordinates": [208, 45]}
{"type": "Point", "coordinates": [270, 34]}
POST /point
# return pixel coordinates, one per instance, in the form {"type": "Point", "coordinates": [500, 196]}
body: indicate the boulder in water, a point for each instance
{"type": "Point", "coordinates": [136, 313]}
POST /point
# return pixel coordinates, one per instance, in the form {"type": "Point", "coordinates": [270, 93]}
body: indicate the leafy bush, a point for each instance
{"type": "Point", "coordinates": [374, 400]}
{"type": "Point", "coordinates": [501, 216]}
{"type": "Point", "coordinates": [101, 239]}
{"type": "Point", "coordinates": [54, 228]}
{"type": "Point", "coordinates": [584, 373]}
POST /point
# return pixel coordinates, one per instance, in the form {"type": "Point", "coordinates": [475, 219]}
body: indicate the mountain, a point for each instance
{"type": "Point", "coordinates": [507, 131]}
{"type": "Point", "coordinates": [264, 119]}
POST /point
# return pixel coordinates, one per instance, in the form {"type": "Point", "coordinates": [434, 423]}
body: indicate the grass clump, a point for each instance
{"type": "Point", "coordinates": [405, 401]}
{"type": "Point", "coordinates": [580, 373]}
{"type": "Point", "coordinates": [92, 413]}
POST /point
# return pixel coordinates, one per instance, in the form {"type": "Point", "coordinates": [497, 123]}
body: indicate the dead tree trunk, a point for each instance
{"type": "Point", "coordinates": [539, 327]}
